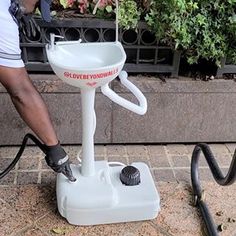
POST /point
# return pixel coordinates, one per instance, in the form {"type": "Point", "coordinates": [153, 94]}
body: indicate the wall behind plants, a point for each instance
{"type": "Point", "coordinates": [203, 29]}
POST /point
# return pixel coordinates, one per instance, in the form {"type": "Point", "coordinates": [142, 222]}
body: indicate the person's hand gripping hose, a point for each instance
{"type": "Point", "coordinates": [58, 160]}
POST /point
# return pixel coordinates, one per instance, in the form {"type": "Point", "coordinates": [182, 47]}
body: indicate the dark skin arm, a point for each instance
{"type": "Point", "coordinates": [25, 97]}
{"type": "Point", "coordinates": [33, 111]}
{"type": "Point", "coordinates": [28, 103]}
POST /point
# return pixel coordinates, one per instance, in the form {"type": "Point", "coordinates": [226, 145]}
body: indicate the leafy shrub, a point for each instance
{"type": "Point", "coordinates": [129, 14]}
{"type": "Point", "coordinates": [200, 28]}
{"type": "Point", "coordinates": [80, 7]}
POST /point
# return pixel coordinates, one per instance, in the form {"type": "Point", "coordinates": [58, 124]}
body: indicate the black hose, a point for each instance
{"type": "Point", "coordinates": [20, 152]}
{"type": "Point", "coordinates": [218, 176]}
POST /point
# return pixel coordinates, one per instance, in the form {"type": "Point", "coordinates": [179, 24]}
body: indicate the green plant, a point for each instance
{"type": "Point", "coordinates": [129, 10]}
{"type": "Point", "coordinates": [200, 28]}
{"type": "Point", "coordinates": [84, 7]}
{"type": "Point", "coordinates": [129, 14]}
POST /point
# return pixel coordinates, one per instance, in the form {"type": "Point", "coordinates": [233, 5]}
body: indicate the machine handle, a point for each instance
{"type": "Point", "coordinates": [139, 109]}
{"type": "Point", "coordinates": [52, 40]}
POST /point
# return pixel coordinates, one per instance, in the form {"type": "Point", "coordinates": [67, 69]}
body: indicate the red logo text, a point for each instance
{"type": "Point", "coordinates": [90, 76]}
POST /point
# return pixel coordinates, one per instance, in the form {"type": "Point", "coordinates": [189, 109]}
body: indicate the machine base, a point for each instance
{"type": "Point", "coordinates": [103, 199]}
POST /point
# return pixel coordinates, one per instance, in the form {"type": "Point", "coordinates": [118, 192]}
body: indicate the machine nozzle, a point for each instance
{"type": "Point", "coordinates": [71, 178]}
{"type": "Point", "coordinates": [68, 173]}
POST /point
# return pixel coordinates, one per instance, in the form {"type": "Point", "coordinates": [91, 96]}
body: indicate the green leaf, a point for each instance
{"type": "Point", "coordinates": [108, 8]}
{"type": "Point", "coordinates": [61, 230]}
{"type": "Point", "coordinates": [37, 12]}
{"type": "Point", "coordinates": [129, 14]}
{"type": "Point", "coordinates": [64, 3]}
{"type": "Point", "coordinates": [58, 231]}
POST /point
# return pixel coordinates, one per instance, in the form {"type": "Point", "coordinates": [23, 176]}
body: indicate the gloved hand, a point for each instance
{"type": "Point", "coordinates": [58, 160]}
{"type": "Point", "coordinates": [23, 18]}
{"type": "Point", "coordinates": [28, 26]}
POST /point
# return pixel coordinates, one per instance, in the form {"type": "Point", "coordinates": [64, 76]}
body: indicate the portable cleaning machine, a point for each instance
{"type": "Point", "coordinates": [103, 192]}
{"type": "Point", "coordinates": [109, 192]}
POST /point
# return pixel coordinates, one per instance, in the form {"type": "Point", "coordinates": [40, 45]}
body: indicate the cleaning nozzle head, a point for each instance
{"type": "Point", "coordinates": [68, 173]}
{"type": "Point", "coordinates": [71, 178]}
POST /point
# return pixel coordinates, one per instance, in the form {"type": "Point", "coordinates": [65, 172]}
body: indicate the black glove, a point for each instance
{"type": "Point", "coordinates": [58, 160]}
{"type": "Point", "coordinates": [28, 26]}
{"type": "Point", "coordinates": [26, 22]}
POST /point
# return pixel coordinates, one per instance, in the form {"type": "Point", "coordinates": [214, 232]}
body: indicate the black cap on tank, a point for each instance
{"type": "Point", "coordinates": [130, 176]}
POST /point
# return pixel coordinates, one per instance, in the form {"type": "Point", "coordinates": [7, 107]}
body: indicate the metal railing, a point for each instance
{"type": "Point", "coordinates": [199, 195]}
{"type": "Point", "coordinates": [144, 52]}
{"type": "Point", "coordinates": [226, 68]}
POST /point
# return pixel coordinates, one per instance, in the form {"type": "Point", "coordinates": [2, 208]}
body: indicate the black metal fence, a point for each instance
{"type": "Point", "coordinates": [144, 52]}
{"type": "Point", "coordinates": [226, 68]}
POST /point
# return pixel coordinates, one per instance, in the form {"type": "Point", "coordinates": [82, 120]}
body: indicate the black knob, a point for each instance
{"type": "Point", "coordinates": [130, 176]}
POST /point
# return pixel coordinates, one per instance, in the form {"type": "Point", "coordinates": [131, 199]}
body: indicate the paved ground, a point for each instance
{"type": "Point", "coordinates": [28, 202]}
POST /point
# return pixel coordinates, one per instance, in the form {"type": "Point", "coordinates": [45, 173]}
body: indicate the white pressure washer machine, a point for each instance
{"type": "Point", "coordinates": [111, 192]}
{"type": "Point", "coordinates": [103, 192]}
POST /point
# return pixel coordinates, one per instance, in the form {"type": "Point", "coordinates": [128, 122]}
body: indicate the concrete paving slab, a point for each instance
{"type": "Point", "coordinates": [30, 209]}
{"type": "Point", "coordinates": [35, 207]}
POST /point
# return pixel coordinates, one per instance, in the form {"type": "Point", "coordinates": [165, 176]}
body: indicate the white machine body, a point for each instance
{"type": "Point", "coordinates": [103, 198]}
{"type": "Point", "coordinates": [98, 196]}
{"type": "Point", "coordinates": [86, 65]}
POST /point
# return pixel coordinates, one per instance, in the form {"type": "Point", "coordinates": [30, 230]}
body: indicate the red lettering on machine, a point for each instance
{"type": "Point", "coordinates": [80, 76]}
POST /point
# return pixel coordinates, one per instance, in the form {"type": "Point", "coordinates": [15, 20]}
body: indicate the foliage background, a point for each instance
{"type": "Point", "coordinates": [201, 29]}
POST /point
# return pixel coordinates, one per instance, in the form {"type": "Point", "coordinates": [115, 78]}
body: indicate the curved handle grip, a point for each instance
{"type": "Point", "coordinates": [139, 109]}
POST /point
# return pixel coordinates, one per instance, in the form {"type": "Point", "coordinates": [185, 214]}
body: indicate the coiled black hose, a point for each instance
{"type": "Point", "coordinates": [20, 152]}
{"type": "Point", "coordinates": [218, 176]}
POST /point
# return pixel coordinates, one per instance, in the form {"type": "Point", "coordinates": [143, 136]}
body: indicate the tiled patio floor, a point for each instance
{"type": "Point", "coordinates": [28, 202]}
